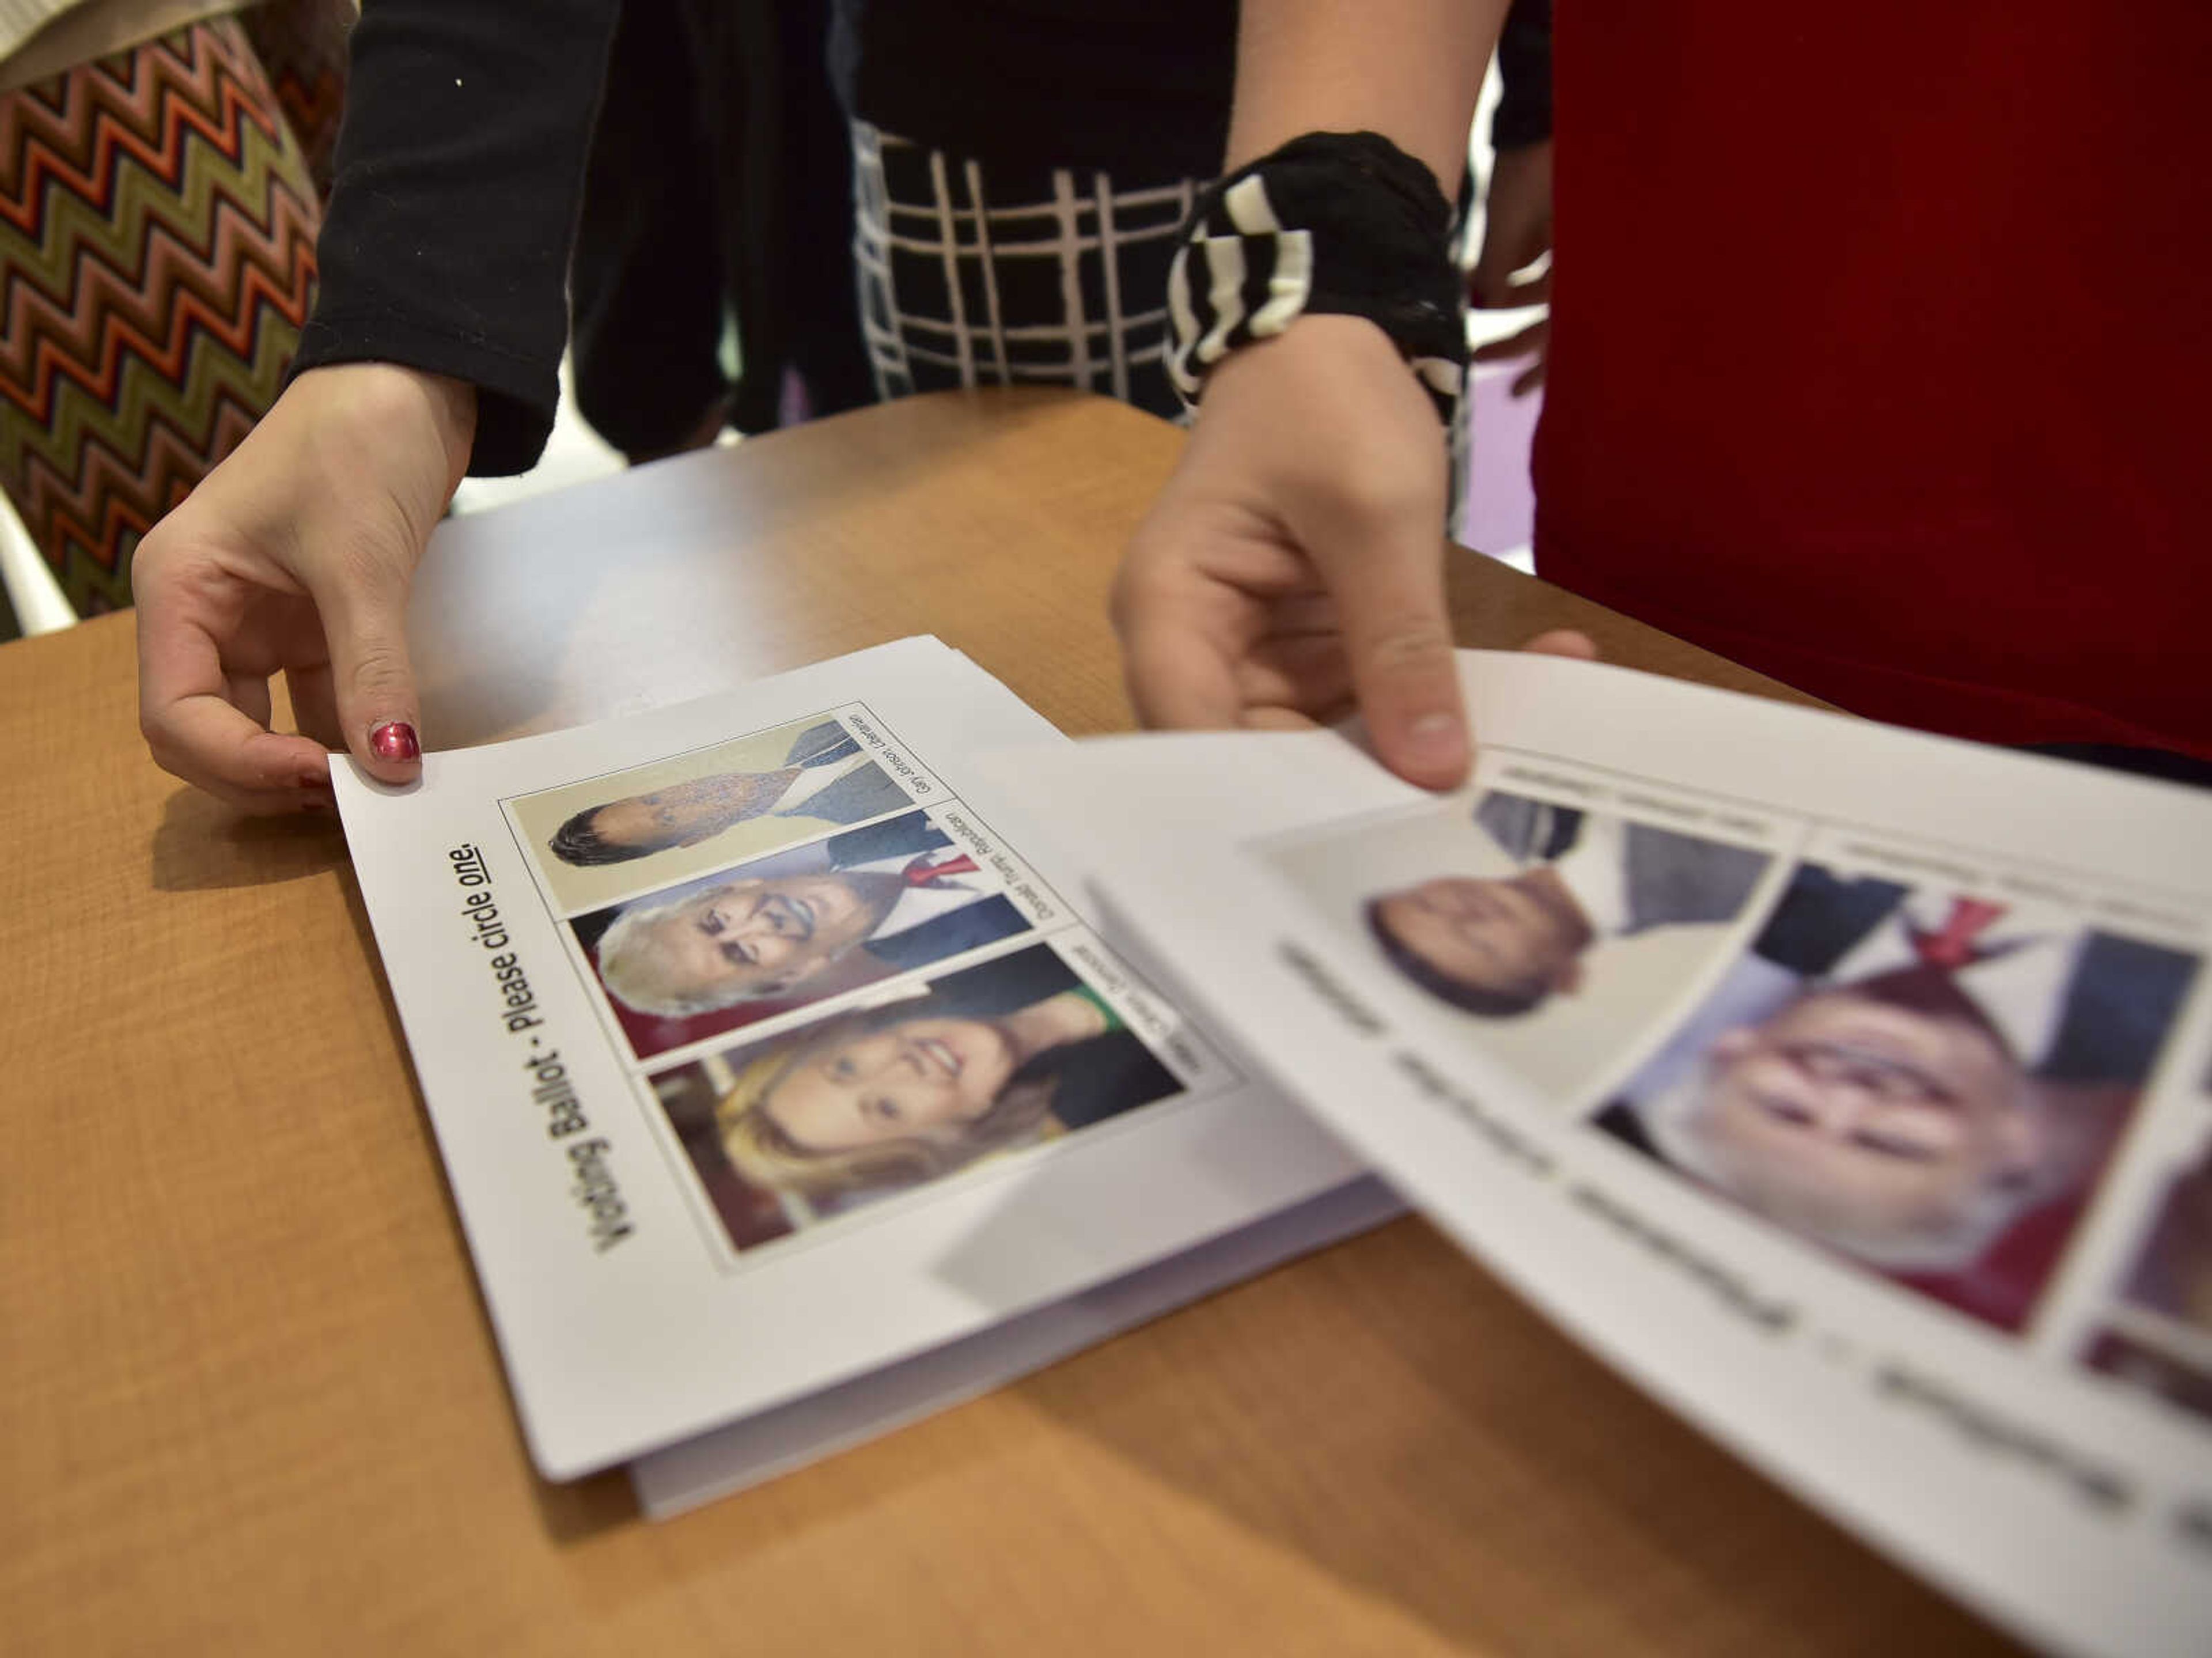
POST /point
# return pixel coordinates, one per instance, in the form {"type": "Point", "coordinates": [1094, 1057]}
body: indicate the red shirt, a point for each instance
{"type": "Point", "coordinates": [1881, 357]}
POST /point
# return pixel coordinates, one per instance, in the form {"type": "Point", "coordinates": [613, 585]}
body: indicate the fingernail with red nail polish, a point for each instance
{"type": "Point", "coordinates": [395, 740]}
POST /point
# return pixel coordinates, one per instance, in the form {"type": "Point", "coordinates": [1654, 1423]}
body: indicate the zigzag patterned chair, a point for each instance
{"type": "Point", "coordinates": [157, 262]}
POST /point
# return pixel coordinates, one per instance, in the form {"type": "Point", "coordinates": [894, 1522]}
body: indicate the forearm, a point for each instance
{"type": "Point", "coordinates": [1409, 69]}
{"type": "Point", "coordinates": [447, 242]}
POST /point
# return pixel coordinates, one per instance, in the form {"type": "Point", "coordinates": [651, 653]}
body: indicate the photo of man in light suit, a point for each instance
{"type": "Point", "coordinates": [897, 892]}
{"type": "Point", "coordinates": [1500, 946]}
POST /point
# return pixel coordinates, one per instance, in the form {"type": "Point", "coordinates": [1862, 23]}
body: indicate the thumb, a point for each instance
{"type": "Point", "coordinates": [366, 621]}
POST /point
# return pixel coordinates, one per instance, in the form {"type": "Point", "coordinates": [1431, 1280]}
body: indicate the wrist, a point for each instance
{"type": "Point", "coordinates": [391, 396]}
{"type": "Point", "coordinates": [1339, 224]}
{"type": "Point", "coordinates": [453, 406]}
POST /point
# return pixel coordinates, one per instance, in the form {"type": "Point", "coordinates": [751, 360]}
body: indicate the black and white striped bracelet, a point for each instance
{"type": "Point", "coordinates": [1342, 223]}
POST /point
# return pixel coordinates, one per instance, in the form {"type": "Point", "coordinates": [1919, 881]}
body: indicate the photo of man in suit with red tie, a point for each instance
{"type": "Point", "coordinates": [792, 928]}
{"type": "Point", "coordinates": [1928, 1082]}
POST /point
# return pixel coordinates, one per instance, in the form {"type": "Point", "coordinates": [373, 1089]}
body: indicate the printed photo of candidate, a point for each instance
{"type": "Point", "coordinates": [1543, 935]}
{"type": "Point", "coordinates": [1501, 945]}
{"type": "Point", "coordinates": [650, 825]}
{"type": "Point", "coordinates": [857, 1105]}
{"type": "Point", "coordinates": [1928, 1083]}
{"type": "Point", "coordinates": [796, 927]}
{"type": "Point", "coordinates": [2158, 1333]}
{"type": "Point", "coordinates": [2179, 1373]}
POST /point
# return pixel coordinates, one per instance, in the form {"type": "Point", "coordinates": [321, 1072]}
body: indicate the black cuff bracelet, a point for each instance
{"type": "Point", "coordinates": [1342, 223]}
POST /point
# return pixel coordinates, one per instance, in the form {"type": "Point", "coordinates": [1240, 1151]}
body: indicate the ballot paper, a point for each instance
{"type": "Point", "coordinates": [784, 1089]}
{"type": "Point", "coordinates": [1848, 1088]}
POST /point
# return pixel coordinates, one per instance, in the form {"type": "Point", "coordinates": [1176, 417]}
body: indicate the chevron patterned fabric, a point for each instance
{"type": "Point", "coordinates": [157, 262]}
{"type": "Point", "coordinates": [302, 46]}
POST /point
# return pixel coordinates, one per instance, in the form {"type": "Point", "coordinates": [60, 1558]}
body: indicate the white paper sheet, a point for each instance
{"type": "Point", "coordinates": [1923, 1229]}
{"type": "Point", "coordinates": [643, 1290]}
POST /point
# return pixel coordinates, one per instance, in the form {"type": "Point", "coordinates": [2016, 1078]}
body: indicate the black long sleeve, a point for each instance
{"type": "Point", "coordinates": [1139, 89]}
{"type": "Point", "coordinates": [1524, 69]}
{"type": "Point", "coordinates": [459, 170]}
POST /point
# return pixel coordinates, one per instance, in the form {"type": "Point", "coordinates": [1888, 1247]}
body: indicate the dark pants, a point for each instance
{"type": "Point", "coordinates": [719, 185]}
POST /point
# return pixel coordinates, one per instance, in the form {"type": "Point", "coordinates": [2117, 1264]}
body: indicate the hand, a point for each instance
{"type": "Point", "coordinates": [1517, 233]}
{"type": "Point", "coordinates": [296, 555]}
{"type": "Point", "coordinates": [1295, 561]}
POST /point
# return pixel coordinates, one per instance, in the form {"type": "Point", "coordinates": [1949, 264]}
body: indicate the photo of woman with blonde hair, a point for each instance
{"type": "Point", "coordinates": [999, 1055]}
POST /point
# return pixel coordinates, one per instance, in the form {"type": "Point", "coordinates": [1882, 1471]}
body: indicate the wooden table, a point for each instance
{"type": "Point", "coordinates": [252, 1405]}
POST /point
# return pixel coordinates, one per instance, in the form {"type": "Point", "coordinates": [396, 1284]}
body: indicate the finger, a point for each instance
{"type": "Point", "coordinates": [191, 726]}
{"type": "Point", "coordinates": [1525, 290]}
{"type": "Point", "coordinates": [249, 694]}
{"type": "Point", "coordinates": [1505, 280]}
{"type": "Point", "coordinates": [1489, 289]}
{"type": "Point", "coordinates": [364, 614]}
{"type": "Point", "coordinates": [315, 705]}
{"type": "Point", "coordinates": [1277, 720]}
{"type": "Point", "coordinates": [1176, 625]}
{"type": "Point", "coordinates": [1304, 612]}
{"type": "Point", "coordinates": [1178, 678]}
{"type": "Point", "coordinates": [1308, 673]}
{"type": "Point", "coordinates": [1529, 379]}
{"type": "Point", "coordinates": [1514, 346]}
{"type": "Point", "coordinates": [212, 746]}
{"type": "Point", "coordinates": [1564, 641]}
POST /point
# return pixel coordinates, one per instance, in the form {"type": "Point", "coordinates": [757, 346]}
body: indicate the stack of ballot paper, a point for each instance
{"type": "Point", "coordinates": [812, 1056]}
{"type": "Point", "coordinates": [785, 1089]}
